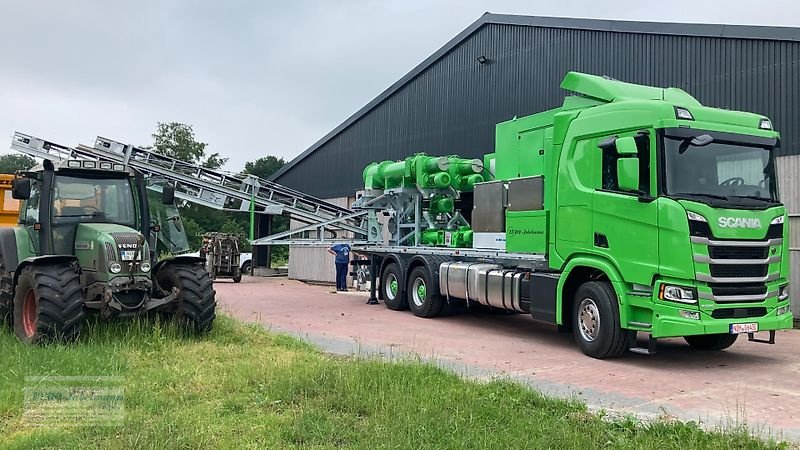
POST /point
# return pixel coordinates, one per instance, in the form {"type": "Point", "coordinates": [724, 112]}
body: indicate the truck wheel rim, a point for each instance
{"type": "Point", "coordinates": [391, 287]}
{"type": "Point", "coordinates": [418, 292]}
{"type": "Point", "coordinates": [29, 313]}
{"type": "Point", "coordinates": [589, 320]}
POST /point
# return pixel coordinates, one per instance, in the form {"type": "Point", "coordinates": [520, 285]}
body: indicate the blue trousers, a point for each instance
{"type": "Point", "coordinates": [341, 276]}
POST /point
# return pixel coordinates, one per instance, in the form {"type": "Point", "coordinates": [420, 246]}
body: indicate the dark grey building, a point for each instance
{"type": "Point", "coordinates": [503, 66]}
{"type": "Point", "coordinates": [450, 103]}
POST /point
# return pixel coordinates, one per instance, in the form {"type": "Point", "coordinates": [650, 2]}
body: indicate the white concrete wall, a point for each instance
{"type": "Point", "coordinates": [314, 263]}
{"type": "Point", "coordinates": [789, 187]}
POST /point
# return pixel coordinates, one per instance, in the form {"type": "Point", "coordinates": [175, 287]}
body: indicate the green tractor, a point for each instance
{"type": "Point", "coordinates": [85, 242]}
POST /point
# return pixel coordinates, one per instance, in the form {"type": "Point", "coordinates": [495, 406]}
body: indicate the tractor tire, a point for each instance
{"type": "Point", "coordinates": [391, 289]}
{"type": "Point", "coordinates": [421, 298]}
{"type": "Point", "coordinates": [711, 342]}
{"type": "Point", "coordinates": [595, 321]}
{"type": "Point", "coordinates": [48, 304]}
{"type": "Point", "coordinates": [238, 277]}
{"type": "Point", "coordinates": [6, 295]}
{"type": "Point", "coordinates": [196, 304]}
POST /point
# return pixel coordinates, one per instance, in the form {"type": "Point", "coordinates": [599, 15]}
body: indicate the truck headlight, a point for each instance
{"type": "Point", "coordinates": [783, 292]}
{"type": "Point", "coordinates": [677, 294]}
{"type": "Point", "coordinates": [782, 310]}
{"type": "Point", "coordinates": [145, 266]}
{"type": "Point", "coordinates": [115, 267]}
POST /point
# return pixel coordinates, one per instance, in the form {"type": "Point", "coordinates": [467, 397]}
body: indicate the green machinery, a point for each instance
{"type": "Point", "coordinates": [420, 195]}
{"type": "Point", "coordinates": [629, 209]}
{"type": "Point", "coordinates": [84, 243]}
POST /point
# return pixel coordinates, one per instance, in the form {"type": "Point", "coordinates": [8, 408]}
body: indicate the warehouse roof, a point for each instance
{"type": "Point", "coordinates": [619, 26]}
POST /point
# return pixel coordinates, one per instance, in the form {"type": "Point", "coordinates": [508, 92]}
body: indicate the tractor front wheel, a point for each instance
{"type": "Point", "coordinates": [48, 304]}
{"type": "Point", "coordinates": [196, 303]}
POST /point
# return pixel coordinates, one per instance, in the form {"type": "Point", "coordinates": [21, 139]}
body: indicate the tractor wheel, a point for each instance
{"type": "Point", "coordinates": [6, 295]}
{"type": "Point", "coordinates": [238, 277]}
{"type": "Point", "coordinates": [196, 303]}
{"type": "Point", "coordinates": [48, 304]}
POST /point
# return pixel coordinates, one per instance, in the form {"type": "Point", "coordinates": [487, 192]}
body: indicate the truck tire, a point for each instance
{"type": "Point", "coordinates": [237, 277]}
{"type": "Point", "coordinates": [6, 295]}
{"type": "Point", "coordinates": [196, 305]}
{"type": "Point", "coordinates": [247, 268]}
{"type": "Point", "coordinates": [391, 288]}
{"type": "Point", "coordinates": [595, 320]}
{"type": "Point", "coordinates": [711, 342]}
{"type": "Point", "coordinates": [48, 304]}
{"type": "Point", "coordinates": [421, 298]}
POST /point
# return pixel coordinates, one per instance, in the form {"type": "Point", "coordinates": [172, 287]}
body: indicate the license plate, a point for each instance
{"type": "Point", "coordinates": [127, 255]}
{"type": "Point", "coordinates": [738, 328]}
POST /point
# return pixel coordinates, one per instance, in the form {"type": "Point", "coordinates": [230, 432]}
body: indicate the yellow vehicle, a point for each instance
{"type": "Point", "coordinates": [9, 207]}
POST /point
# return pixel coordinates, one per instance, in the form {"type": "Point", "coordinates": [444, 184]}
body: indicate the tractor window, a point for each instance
{"type": "Point", "coordinates": [93, 200]}
{"type": "Point", "coordinates": [30, 213]}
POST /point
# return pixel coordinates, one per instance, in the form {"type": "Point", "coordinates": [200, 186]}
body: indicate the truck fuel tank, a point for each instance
{"type": "Point", "coordinates": [488, 284]}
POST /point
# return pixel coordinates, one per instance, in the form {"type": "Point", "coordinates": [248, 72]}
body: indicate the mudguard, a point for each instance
{"type": "Point", "coordinates": [44, 259]}
{"type": "Point", "coordinates": [180, 259]}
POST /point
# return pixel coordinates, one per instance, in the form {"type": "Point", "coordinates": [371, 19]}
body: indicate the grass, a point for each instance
{"type": "Point", "coordinates": [242, 387]}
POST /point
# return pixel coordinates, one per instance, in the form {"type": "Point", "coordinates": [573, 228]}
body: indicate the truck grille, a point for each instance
{"type": "Point", "coordinates": [720, 289]}
{"type": "Point", "coordinates": [729, 252]}
{"type": "Point", "coordinates": [739, 313]}
{"type": "Point", "coordinates": [738, 270]}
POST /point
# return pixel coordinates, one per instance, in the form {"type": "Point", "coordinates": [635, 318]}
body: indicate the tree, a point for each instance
{"type": "Point", "coordinates": [264, 167]}
{"type": "Point", "coordinates": [13, 162]}
{"type": "Point", "coordinates": [177, 140]}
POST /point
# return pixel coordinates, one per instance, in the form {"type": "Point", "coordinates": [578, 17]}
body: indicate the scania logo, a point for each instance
{"type": "Point", "coordinates": [738, 222]}
{"type": "Point", "coordinates": [129, 246]}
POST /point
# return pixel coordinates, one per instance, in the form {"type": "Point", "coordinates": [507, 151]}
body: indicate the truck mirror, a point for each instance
{"type": "Point", "coordinates": [628, 174]}
{"type": "Point", "coordinates": [21, 188]}
{"type": "Point", "coordinates": [168, 195]}
{"type": "Point", "coordinates": [626, 146]}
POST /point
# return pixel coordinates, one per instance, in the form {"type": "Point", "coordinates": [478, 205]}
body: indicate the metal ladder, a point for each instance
{"type": "Point", "coordinates": [209, 187]}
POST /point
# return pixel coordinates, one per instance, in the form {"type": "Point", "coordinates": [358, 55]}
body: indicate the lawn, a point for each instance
{"type": "Point", "coordinates": [243, 387]}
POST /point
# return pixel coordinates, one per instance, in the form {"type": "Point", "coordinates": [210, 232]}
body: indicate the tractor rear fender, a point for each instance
{"type": "Point", "coordinates": [45, 259]}
{"type": "Point", "coordinates": [180, 259]}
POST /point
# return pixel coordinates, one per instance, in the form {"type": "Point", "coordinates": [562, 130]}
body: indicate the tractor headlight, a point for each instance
{"type": "Point", "coordinates": [145, 266]}
{"type": "Point", "coordinates": [115, 267]}
{"type": "Point", "coordinates": [677, 294]}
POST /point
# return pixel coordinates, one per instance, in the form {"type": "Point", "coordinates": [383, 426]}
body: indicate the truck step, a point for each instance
{"type": "Point", "coordinates": [633, 344]}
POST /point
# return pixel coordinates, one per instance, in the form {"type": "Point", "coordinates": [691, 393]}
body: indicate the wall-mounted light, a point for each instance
{"type": "Point", "coordinates": [482, 59]}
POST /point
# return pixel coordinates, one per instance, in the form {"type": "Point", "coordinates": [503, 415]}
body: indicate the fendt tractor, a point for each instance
{"type": "Point", "coordinates": [82, 245]}
{"type": "Point", "coordinates": [630, 209]}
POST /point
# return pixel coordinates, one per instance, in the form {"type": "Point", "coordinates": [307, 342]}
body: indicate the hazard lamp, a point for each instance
{"type": "Point", "coordinates": [765, 124]}
{"type": "Point", "coordinates": [683, 114]}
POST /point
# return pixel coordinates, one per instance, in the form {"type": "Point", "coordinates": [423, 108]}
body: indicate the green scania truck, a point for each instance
{"type": "Point", "coordinates": [630, 209]}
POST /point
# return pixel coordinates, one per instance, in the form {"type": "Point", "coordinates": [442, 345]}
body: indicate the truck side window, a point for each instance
{"type": "Point", "coordinates": [610, 157]}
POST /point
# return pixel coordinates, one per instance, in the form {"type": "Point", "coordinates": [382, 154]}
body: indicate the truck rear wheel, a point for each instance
{"type": "Point", "coordinates": [196, 305]}
{"type": "Point", "coordinates": [596, 324]}
{"type": "Point", "coordinates": [711, 342]}
{"type": "Point", "coordinates": [421, 298]}
{"type": "Point", "coordinates": [48, 304]}
{"type": "Point", "coordinates": [391, 288]}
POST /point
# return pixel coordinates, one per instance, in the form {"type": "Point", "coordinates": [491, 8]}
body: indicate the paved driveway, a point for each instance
{"type": "Point", "coordinates": [756, 383]}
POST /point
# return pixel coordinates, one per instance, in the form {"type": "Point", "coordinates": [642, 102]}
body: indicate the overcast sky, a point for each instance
{"type": "Point", "coordinates": [254, 78]}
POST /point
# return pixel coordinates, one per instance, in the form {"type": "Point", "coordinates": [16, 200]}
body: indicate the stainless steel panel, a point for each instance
{"type": "Point", "coordinates": [526, 194]}
{"type": "Point", "coordinates": [488, 213]}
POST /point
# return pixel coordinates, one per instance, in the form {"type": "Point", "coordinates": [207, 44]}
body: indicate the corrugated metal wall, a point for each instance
{"type": "Point", "coordinates": [452, 107]}
{"type": "Point", "coordinates": [789, 176]}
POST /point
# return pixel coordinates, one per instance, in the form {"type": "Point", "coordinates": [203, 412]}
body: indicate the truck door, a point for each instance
{"type": "Point", "coordinates": [625, 223]}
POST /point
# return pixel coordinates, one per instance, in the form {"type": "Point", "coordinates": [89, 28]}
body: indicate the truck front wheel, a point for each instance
{"type": "Point", "coordinates": [196, 305]}
{"type": "Point", "coordinates": [711, 342]}
{"type": "Point", "coordinates": [596, 324]}
{"type": "Point", "coordinates": [48, 304]}
{"type": "Point", "coordinates": [391, 289]}
{"type": "Point", "coordinates": [422, 301]}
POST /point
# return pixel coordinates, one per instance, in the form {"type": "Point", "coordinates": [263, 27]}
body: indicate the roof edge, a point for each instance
{"type": "Point", "coordinates": [619, 26]}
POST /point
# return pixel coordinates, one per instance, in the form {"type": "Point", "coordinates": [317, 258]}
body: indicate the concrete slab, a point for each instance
{"type": "Point", "coordinates": [754, 384]}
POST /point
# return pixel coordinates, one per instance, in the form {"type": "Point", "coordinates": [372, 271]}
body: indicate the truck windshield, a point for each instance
{"type": "Point", "coordinates": [93, 200]}
{"type": "Point", "coordinates": [738, 174]}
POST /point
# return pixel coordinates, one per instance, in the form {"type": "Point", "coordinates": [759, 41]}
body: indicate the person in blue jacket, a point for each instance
{"type": "Point", "coordinates": [342, 252]}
